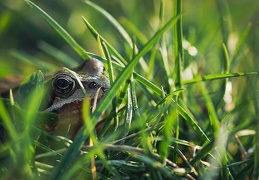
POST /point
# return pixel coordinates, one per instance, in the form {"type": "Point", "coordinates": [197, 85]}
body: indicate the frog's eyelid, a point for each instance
{"type": "Point", "coordinates": [62, 74]}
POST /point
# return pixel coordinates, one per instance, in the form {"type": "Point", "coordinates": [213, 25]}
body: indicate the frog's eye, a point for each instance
{"type": "Point", "coordinates": [93, 85]}
{"type": "Point", "coordinates": [63, 85]}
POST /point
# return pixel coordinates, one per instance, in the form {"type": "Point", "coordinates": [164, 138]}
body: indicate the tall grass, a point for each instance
{"type": "Point", "coordinates": [158, 123]}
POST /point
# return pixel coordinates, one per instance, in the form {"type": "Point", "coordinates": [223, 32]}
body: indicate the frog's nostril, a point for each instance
{"type": "Point", "coordinates": [93, 85]}
{"type": "Point", "coordinates": [104, 89]}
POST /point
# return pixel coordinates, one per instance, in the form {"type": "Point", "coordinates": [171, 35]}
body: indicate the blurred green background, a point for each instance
{"type": "Point", "coordinates": [22, 30]}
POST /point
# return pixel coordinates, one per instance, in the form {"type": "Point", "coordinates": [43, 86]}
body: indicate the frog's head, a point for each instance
{"type": "Point", "coordinates": [66, 95]}
{"type": "Point", "coordinates": [65, 88]}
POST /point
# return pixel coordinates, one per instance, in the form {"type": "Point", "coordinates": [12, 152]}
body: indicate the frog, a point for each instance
{"type": "Point", "coordinates": [64, 96]}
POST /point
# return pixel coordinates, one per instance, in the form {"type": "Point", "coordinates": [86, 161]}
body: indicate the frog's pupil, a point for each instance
{"type": "Point", "coordinates": [62, 83]}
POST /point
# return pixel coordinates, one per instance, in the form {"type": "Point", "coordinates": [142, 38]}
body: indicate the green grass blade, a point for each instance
{"type": "Point", "coordinates": [136, 113]}
{"type": "Point", "coordinates": [179, 61]}
{"type": "Point", "coordinates": [109, 63]}
{"type": "Point", "coordinates": [62, 32]}
{"type": "Point", "coordinates": [190, 119]}
{"type": "Point", "coordinates": [222, 89]}
{"type": "Point", "coordinates": [32, 85]}
{"type": "Point", "coordinates": [214, 121]}
{"type": "Point", "coordinates": [217, 76]}
{"type": "Point", "coordinates": [100, 46]}
{"type": "Point", "coordinates": [112, 78]}
{"type": "Point", "coordinates": [6, 120]}
{"type": "Point", "coordinates": [115, 23]}
{"type": "Point", "coordinates": [134, 30]}
{"type": "Point", "coordinates": [226, 58]}
{"type": "Point", "coordinates": [225, 19]}
{"type": "Point", "coordinates": [253, 84]}
{"type": "Point", "coordinates": [241, 41]}
{"type": "Point", "coordinates": [44, 66]}
{"type": "Point", "coordinates": [151, 64]}
{"type": "Point", "coordinates": [156, 167]}
{"type": "Point", "coordinates": [205, 150]}
{"type": "Point", "coordinates": [148, 84]}
{"type": "Point", "coordinates": [178, 44]}
{"type": "Point", "coordinates": [256, 142]}
{"type": "Point", "coordinates": [167, 69]}
{"type": "Point", "coordinates": [170, 122]}
{"type": "Point", "coordinates": [59, 55]}
{"type": "Point", "coordinates": [110, 47]}
{"type": "Point", "coordinates": [129, 112]}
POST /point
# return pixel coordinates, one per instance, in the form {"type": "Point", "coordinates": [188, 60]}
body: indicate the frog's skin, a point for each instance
{"type": "Point", "coordinates": [65, 96]}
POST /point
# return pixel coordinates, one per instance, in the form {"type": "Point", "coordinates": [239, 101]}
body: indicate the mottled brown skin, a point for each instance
{"type": "Point", "coordinates": [69, 105]}
{"type": "Point", "coordinates": [70, 120]}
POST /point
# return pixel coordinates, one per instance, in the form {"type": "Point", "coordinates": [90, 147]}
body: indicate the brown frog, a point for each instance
{"type": "Point", "coordinates": [65, 96]}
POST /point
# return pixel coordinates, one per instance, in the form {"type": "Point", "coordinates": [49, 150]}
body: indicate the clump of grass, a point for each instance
{"type": "Point", "coordinates": [160, 125]}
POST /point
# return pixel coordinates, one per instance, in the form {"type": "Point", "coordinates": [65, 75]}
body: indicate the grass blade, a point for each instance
{"type": "Point", "coordinates": [234, 59]}
{"type": "Point", "coordinates": [120, 29]}
{"type": "Point", "coordinates": [112, 78]}
{"type": "Point", "coordinates": [44, 66]}
{"type": "Point", "coordinates": [214, 122]}
{"type": "Point", "coordinates": [222, 89]}
{"type": "Point", "coordinates": [134, 30]}
{"type": "Point", "coordinates": [170, 121]}
{"type": "Point", "coordinates": [59, 55]}
{"type": "Point", "coordinates": [178, 44]}
{"type": "Point", "coordinates": [62, 32]}
{"type": "Point", "coordinates": [217, 76]}
{"type": "Point", "coordinates": [110, 47]}
{"type": "Point", "coordinates": [179, 61]}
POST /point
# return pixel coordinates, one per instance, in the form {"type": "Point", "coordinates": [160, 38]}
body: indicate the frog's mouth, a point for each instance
{"type": "Point", "coordinates": [59, 103]}
{"type": "Point", "coordinates": [78, 96]}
